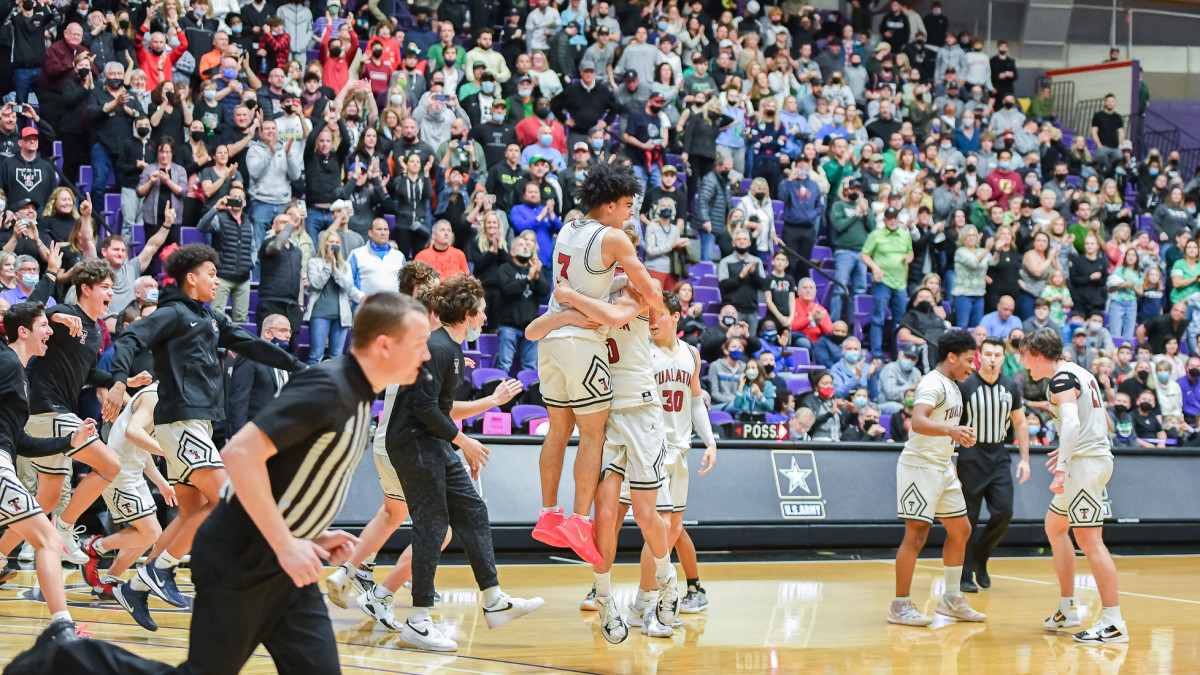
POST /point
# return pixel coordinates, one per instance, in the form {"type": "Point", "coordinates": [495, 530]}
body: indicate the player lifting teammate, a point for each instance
{"type": "Point", "coordinates": [927, 487]}
{"type": "Point", "coordinates": [573, 361]}
{"type": "Point", "coordinates": [1082, 466]}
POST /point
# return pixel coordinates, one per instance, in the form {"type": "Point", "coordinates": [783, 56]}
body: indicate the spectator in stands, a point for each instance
{"type": "Point", "coordinates": [851, 221]}
{"type": "Point", "coordinates": [1171, 216]}
{"type": "Point", "coordinates": [1108, 132]}
{"type": "Point", "coordinates": [887, 252]}
{"type": "Point", "coordinates": [852, 371]}
{"type": "Point", "coordinates": [755, 393]}
{"type": "Point", "coordinates": [725, 374]}
{"type": "Point", "coordinates": [901, 421]}
{"type": "Point", "coordinates": [29, 276]}
{"type": "Point", "coordinates": [532, 214]}
{"type": "Point", "coordinates": [441, 253]}
{"type": "Point", "coordinates": [28, 174]}
{"type": "Point", "coordinates": [279, 279]}
{"type": "Point", "coordinates": [412, 191]}
{"type": "Point", "coordinates": [521, 288]}
{"type": "Point", "coordinates": [161, 184]}
{"type": "Point", "coordinates": [825, 406]}
{"type": "Point", "coordinates": [1002, 321]}
{"type": "Point", "coordinates": [233, 238]}
{"type": "Point", "coordinates": [271, 167]}
{"type": "Point", "coordinates": [1166, 389]}
{"type": "Point", "coordinates": [781, 290]}
{"type": "Point", "coordinates": [252, 385]}
{"type": "Point", "coordinates": [828, 349]}
{"type": "Point", "coordinates": [331, 291]}
{"type": "Point", "coordinates": [1147, 421]}
{"type": "Point", "coordinates": [1088, 273]}
{"type": "Point", "coordinates": [375, 265]}
{"type": "Point", "coordinates": [726, 328]}
{"type": "Point", "coordinates": [740, 278]}
{"type": "Point", "coordinates": [1189, 386]}
{"type": "Point", "coordinates": [1080, 353]}
{"type": "Point", "coordinates": [868, 429]}
{"type": "Point", "coordinates": [898, 378]}
{"type": "Point", "coordinates": [691, 323]}
{"type": "Point", "coordinates": [802, 210]}
{"type": "Point", "coordinates": [1040, 318]}
{"type": "Point", "coordinates": [970, 277]}
{"type": "Point", "coordinates": [800, 424]}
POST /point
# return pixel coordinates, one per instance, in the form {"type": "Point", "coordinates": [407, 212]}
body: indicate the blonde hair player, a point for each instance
{"type": "Point", "coordinates": [1082, 466]}
{"type": "Point", "coordinates": [573, 363]}
{"type": "Point", "coordinates": [927, 487]}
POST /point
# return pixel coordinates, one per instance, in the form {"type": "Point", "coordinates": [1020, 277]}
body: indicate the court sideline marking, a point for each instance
{"type": "Point", "coordinates": [1055, 583]}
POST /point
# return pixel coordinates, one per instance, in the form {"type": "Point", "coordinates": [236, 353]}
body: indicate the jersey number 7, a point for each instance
{"type": "Point", "coordinates": [565, 261]}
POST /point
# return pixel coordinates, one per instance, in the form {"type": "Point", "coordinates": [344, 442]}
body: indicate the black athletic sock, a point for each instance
{"type": "Point", "coordinates": [694, 583]}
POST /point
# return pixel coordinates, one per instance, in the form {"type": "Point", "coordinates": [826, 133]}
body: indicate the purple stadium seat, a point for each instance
{"type": "Point", "coordinates": [523, 413]}
{"type": "Point", "coordinates": [488, 343]}
{"type": "Point", "coordinates": [719, 417]}
{"type": "Point", "coordinates": [704, 268]}
{"type": "Point", "coordinates": [482, 376]}
{"type": "Point", "coordinates": [885, 421]}
{"type": "Point", "coordinates": [528, 378]}
{"type": "Point", "coordinates": [864, 305]}
{"type": "Point", "coordinates": [821, 253]}
{"type": "Point", "coordinates": [798, 385]}
{"type": "Point", "coordinates": [776, 418]}
{"type": "Point", "coordinates": [707, 294]}
{"type": "Point", "coordinates": [190, 235]}
{"type": "Point", "coordinates": [710, 318]}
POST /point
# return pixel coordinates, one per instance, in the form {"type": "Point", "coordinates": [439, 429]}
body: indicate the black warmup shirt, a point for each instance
{"type": "Point", "coordinates": [1107, 125]}
{"type": "Point", "coordinates": [989, 406]}
{"type": "Point", "coordinates": [70, 362]}
{"type": "Point", "coordinates": [320, 424]}
{"type": "Point", "coordinates": [423, 409]}
{"type": "Point", "coordinates": [14, 412]}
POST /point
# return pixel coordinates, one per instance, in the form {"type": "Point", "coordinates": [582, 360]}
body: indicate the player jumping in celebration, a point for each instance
{"type": "Point", "coordinates": [28, 332]}
{"type": "Point", "coordinates": [573, 362]}
{"type": "Point", "coordinates": [927, 487]}
{"type": "Point", "coordinates": [634, 450]}
{"type": "Point", "coordinates": [184, 335]}
{"type": "Point", "coordinates": [55, 381]}
{"type": "Point", "coordinates": [1082, 466]}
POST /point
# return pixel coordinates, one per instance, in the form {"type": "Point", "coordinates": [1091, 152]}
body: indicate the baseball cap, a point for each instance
{"type": "Point", "coordinates": [891, 213]}
{"type": "Point", "coordinates": [340, 204]}
{"type": "Point", "coordinates": [412, 49]}
{"type": "Point", "coordinates": [853, 184]}
{"type": "Point", "coordinates": [911, 352]}
{"type": "Point", "coordinates": [1080, 331]}
{"type": "Point", "coordinates": [726, 44]}
{"type": "Point", "coordinates": [581, 146]}
{"type": "Point", "coordinates": [631, 74]}
{"type": "Point", "coordinates": [882, 47]}
{"type": "Point", "coordinates": [587, 64]}
{"type": "Point", "coordinates": [602, 30]}
{"type": "Point", "coordinates": [29, 131]}
{"type": "Point", "coordinates": [524, 78]}
{"type": "Point", "coordinates": [658, 98]}
{"type": "Point", "coordinates": [538, 158]}
{"type": "Point", "coordinates": [669, 168]}
{"type": "Point", "coordinates": [26, 202]}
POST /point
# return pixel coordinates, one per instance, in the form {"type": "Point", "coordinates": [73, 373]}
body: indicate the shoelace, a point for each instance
{"type": "Point", "coordinates": [82, 632]}
{"type": "Point", "coordinates": [909, 610]}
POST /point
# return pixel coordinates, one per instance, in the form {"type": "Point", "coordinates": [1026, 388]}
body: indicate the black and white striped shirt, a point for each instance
{"type": "Point", "coordinates": [320, 425]}
{"type": "Point", "coordinates": [989, 407]}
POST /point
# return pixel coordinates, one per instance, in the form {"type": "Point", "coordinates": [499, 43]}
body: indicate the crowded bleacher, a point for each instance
{"type": "Point", "coordinates": [827, 194]}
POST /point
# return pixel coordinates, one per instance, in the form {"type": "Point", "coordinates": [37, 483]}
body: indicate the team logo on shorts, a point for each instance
{"type": "Point", "coordinates": [597, 378]}
{"type": "Point", "coordinates": [912, 501]}
{"type": "Point", "coordinates": [14, 500]}
{"type": "Point", "coordinates": [1084, 509]}
{"type": "Point", "coordinates": [798, 484]}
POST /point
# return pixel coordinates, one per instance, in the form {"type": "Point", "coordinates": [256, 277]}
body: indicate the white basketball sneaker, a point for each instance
{"type": "Point", "coordinates": [1060, 619]}
{"type": "Point", "coordinates": [906, 614]}
{"type": "Point", "coordinates": [507, 608]}
{"type": "Point", "coordinates": [612, 626]}
{"type": "Point", "coordinates": [426, 635]}
{"type": "Point", "coordinates": [338, 587]}
{"type": "Point", "coordinates": [380, 609]}
{"type": "Point", "coordinates": [956, 607]}
{"type": "Point", "coordinates": [1103, 633]}
{"type": "Point", "coordinates": [668, 599]}
{"type": "Point", "coordinates": [652, 627]}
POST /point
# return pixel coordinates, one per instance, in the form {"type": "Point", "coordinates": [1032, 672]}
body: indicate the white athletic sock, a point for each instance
{"type": "Point", "coordinates": [904, 598]}
{"type": "Point", "coordinates": [63, 526]}
{"type": "Point", "coordinates": [549, 509]}
{"type": "Point", "coordinates": [99, 547]}
{"type": "Point", "coordinates": [1112, 615]}
{"type": "Point", "coordinates": [380, 592]}
{"type": "Point", "coordinates": [1066, 605]}
{"type": "Point", "coordinates": [60, 616]}
{"type": "Point", "coordinates": [648, 598]}
{"type": "Point", "coordinates": [603, 588]}
{"type": "Point", "coordinates": [370, 559]}
{"type": "Point", "coordinates": [420, 615]}
{"type": "Point", "coordinates": [953, 580]}
{"type": "Point", "coordinates": [491, 596]}
{"type": "Point", "coordinates": [662, 567]}
{"type": "Point", "coordinates": [137, 584]}
{"type": "Point", "coordinates": [165, 561]}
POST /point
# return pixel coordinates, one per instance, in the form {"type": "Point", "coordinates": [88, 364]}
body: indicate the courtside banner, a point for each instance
{"type": "Point", "coordinates": [778, 482]}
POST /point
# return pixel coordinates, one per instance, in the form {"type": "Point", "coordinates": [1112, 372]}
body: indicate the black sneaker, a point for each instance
{"type": "Point", "coordinates": [137, 603]}
{"type": "Point", "coordinates": [968, 586]}
{"type": "Point", "coordinates": [981, 575]}
{"type": "Point", "coordinates": [60, 631]}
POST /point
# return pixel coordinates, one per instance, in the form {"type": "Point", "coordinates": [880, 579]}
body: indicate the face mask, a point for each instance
{"type": "Point", "coordinates": [487, 87]}
{"type": "Point", "coordinates": [580, 175]}
{"type": "Point", "coordinates": [751, 375]}
{"type": "Point", "coordinates": [907, 365]}
{"type": "Point", "coordinates": [860, 401]}
{"type": "Point", "coordinates": [236, 30]}
{"type": "Point", "coordinates": [729, 320]}
{"type": "Point", "coordinates": [542, 113]}
{"type": "Point", "coordinates": [1153, 171]}
{"type": "Point", "coordinates": [409, 138]}
{"type": "Point", "coordinates": [546, 139]}
{"type": "Point", "coordinates": [152, 295]}
{"type": "Point", "coordinates": [825, 392]}
{"type": "Point", "coordinates": [473, 333]}
{"type": "Point", "coordinates": [377, 52]}
{"type": "Point", "coordinates": [197, 136]}
{"type": "Point", "coordinates": [113, 82]}
{"type": "Point", "coordinates": [924, 306]}
{"type": "Point", "coordinates": [1034, 429]}
{"type": "Point", "coordinates": [770, 335]}
{"type": "Point", "coordinates": [522, 257]}
{"type": "Point", "coordinates": [967, 124]}
{"type": "Point", "coordinates": [335, 52]}
{"type": "Point", "coordinates": [838, 119]}
{"type": "Point", "coordinates": [30, 280]}
{"type": "Point", "coordinates": [851, 357]}
{"type": "Point", "coordinates": [1145, 406]}
{"type": "Point", "coordinates": [229, 73]}
{"type": "Point", "coordinates": [736, 354]}
{"type": "Point", "coordinates": [598, 143]}
{"type": "Point", "coordinates": [909, 402]}
{"type": "Point", "coordinates": [525, 93]}
{"type": "Point", "coordinates": [142, 132]}
{"type": "Point", "coordinates": [742, 249]}
{"type": "Point", "coordinates": [946, 145]}
{"type": "Point", "coordinates": [124, 24]}
{"type": "Point", "coordinates": [836, 339]}
{"type": "Point", "coordinates": [1143, 376]}
{"type": "Point", "coordinates": [282, 344]}
{"type": "Point", "coordinates": [1163, 376]}
{"type": "Point", "coordinates": [83, 72]}
{"type": "Point", "coordinates": [667, 213]}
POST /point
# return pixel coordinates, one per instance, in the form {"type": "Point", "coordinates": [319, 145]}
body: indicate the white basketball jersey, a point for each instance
{"type": "Point", "coordinates": [942, 393]}
{"type": "Point", "coordinates": [1093, 419]}
{"type": "Point", "coordinates": [630, 363]}
{"type": "Point", "coordinates": [578, 258]}
{"type": "Point", "coordinates": [133, 458]}
{"type": "Point", "coordinates": [674, 372]}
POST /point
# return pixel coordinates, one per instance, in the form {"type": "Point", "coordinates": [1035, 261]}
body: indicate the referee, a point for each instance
{"type": "Point", "coordinates": [985, 470]}
{"type": "Point", "coordinates": [257, 557]}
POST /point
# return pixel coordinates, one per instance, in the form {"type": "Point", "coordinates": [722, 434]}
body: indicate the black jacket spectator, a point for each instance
{"type": "Point", "coordinates": [493, 137]}
{"type": "Point", "coordinates": [110, 129]}
{"type": "Point", "coordinates": [323, 173]}
{"type": "Point", "coordinates": [586, 107]}
{"type": "Point", "coordinates": [250, 387]}
{"type": "Point", "coordinates": [134, 150]}
{"type": "Point", "coordinates": [233, 241]}
{"type": "Point", "coordinates": [519, 297]}
{"type": "Point", "coordinates": [369, 201]}
{"type": "Point", "coordinates": [23, 179]}
{"type": "Point", "coordinates": [26, 35]}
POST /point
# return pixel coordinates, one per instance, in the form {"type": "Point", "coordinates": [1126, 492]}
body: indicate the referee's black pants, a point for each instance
{"type": "Point", "coordinates": [985, 472]}
{"type": "Point", "coordinates": [243, 599]}
{"type": "Point", "coordinates": [440, 494]}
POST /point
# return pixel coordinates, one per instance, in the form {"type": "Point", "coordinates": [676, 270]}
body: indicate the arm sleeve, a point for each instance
{"type": "Point", "coordinates": [1068, 435]}
{"type": "Point", "coordinates": [701, 423]}
{"type": "Point", "coordinates": [425, 396]}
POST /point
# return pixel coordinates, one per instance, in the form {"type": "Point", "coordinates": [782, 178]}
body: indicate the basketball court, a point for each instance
{"type": "Point", "coordinates": [802, 617]}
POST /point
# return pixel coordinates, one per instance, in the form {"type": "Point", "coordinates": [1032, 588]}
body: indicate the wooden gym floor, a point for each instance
{"type": "Point", "coordinates": [804, 617]}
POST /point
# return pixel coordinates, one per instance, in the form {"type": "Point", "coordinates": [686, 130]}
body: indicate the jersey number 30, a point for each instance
{"type": "Point", "coordinates": [672, 400]}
